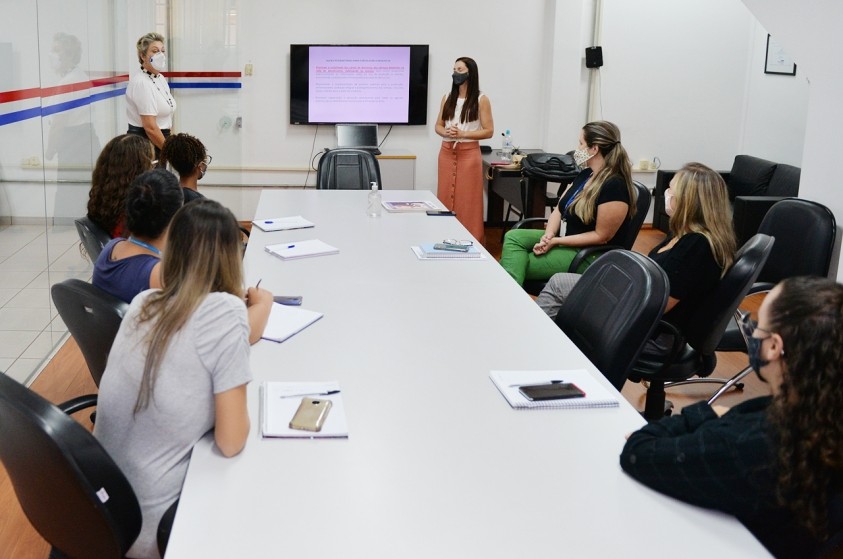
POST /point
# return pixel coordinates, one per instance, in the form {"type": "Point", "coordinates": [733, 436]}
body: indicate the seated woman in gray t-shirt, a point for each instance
{"type": "Point", "coordinates": [180, 364]}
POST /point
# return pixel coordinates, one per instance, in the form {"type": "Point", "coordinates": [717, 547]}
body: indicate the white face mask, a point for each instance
{"type": "Point", "coordinates": [668, 202]}
{"type": "Point", "coordinates": [581, 156]}
{"type": "Point", "coordinates": [159, 61]}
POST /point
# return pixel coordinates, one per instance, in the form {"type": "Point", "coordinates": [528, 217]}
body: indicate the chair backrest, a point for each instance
{"type": "Point", "coordinates": [92, 236]}
{"type": "Point", "coordinates": [642, 206]}
{"type": "Point", "coordinates": [805, 232]}
{"type": "Point", "coordinates": [348, 169]}
{"type": "Point", "coordinates": [68, 486]}
{"type": "Point", "coordinates": [614, 309]}
{"type": "Point", "coordinates": [706, 326]}
{"type": "Point", "coordinates": [92, 316]}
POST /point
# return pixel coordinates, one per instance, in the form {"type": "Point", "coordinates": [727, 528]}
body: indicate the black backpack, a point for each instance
{"type": "Point", "coordinates": [552, 167]}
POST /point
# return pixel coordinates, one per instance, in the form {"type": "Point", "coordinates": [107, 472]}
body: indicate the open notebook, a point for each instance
{"type": "Point", "coordinates": [596, 395]}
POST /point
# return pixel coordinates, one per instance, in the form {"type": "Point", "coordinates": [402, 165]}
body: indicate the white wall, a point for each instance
{"type": "Point", "coordinates": [810, 32]}
{"type": "Point", "coordinates": [682, 79]}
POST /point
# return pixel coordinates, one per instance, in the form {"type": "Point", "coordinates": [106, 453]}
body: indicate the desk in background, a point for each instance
{"type": "Point", "coordinates": [505, 186]}
{"type": "Point", "coordinates": [436, 464]}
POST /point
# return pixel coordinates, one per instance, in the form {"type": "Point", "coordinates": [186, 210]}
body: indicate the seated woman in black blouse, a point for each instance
{"type": "Point", "coordinates": [776, 463]}
{"type": "Point", "coordinates": [188, 156]}
{"type": "Point", "coordinates": [696, 254]}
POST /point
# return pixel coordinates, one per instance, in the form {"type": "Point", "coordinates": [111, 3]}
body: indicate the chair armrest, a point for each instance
{"type": "Point", "coordinates": [530, 220]}
{"type": "Point", "coordinates": [585, 252]}
{"type": "Point", "coordinates": [748, 212]}
{"type": "Point", "coordinates": [760, 287]}
{"type": "Point", "coordinates": [78, 404]}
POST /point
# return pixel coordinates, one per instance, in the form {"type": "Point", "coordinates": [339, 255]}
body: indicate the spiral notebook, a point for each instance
{"type": "Point", "coordinates": [596, 395]}
{"type": "Point", "coordinates": [427, 252]}
{"type": "Point", "coordinates": [280, 400]}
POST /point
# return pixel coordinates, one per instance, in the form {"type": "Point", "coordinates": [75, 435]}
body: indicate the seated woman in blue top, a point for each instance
{"type": "Point", "coordinates": [125, 267]}
{"type": "Point", "coordinates": [776, 463]}
{"type": "Point", "coordinates": [596, 208]}
{"type": "Point", "coordinates": [696, 254]}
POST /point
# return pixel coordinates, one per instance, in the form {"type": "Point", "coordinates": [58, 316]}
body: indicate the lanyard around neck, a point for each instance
{"type": "Point", "coordinates": [147, 246]}
{"type": "Point", "coordinates": [575, 194]}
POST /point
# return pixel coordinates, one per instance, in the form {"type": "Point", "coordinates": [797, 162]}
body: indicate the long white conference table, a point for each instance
{"type": "Point", "coordinates": [437, 464]}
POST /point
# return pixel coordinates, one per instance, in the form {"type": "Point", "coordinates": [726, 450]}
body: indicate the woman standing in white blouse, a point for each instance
{"type": "Point", "coordinates": [149, 103]}
{"type": "Point", "coordinates": [465, 116]}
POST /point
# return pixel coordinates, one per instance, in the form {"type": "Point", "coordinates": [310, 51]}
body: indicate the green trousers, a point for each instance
{"type": "Point", "coordinates": [518, 260]}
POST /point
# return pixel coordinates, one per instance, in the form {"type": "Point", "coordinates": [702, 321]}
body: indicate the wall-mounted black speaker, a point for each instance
{"type": "Point", "coordinates": [593, 57]}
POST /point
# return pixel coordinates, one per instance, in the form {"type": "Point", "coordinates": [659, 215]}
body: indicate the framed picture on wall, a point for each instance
{"type": "Point", "coordinates": [777, 60]}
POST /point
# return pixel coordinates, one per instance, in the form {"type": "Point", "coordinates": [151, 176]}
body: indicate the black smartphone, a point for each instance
{"type": "Point", "coordinates": [441, 212]}
{"type": "Point", "coordinates": [557, 391]}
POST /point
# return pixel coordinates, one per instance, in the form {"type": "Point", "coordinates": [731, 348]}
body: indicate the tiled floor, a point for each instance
{"type": "Point", "coordinates": [32, 258]}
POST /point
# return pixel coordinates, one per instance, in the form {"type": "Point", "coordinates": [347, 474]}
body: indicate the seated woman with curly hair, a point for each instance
{"type": "Point", "coordinates": [188, 156]}
{"type": "Point", "coordinates": [120, 161]}
{"type": "Point", "coordinates": [775, 462]}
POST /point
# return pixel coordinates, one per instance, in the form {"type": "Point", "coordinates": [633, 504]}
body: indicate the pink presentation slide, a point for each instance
{"type": "Point", "coordinates": [359, 84]}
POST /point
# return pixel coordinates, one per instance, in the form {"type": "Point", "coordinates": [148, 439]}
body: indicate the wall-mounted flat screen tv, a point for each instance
{"type": "Point", "coordinates": [383, 84]}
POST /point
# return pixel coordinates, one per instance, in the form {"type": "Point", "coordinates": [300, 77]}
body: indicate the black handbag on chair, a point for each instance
{"type": "Point", "coordinates": [551, 167]}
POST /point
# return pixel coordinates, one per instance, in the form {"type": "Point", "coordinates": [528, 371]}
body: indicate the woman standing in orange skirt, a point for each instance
{"type": "Point", "coordinates": [465, 117]}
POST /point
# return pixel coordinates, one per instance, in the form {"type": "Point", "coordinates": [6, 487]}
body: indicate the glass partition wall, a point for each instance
{"type": "Point", "coordinates": [60, 101]}
{"type": "Point", "coordinates": [64, 67]}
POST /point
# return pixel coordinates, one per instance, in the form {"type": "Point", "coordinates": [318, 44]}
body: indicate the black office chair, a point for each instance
{"type": "Point", "coordinates": [614, 309]}
{"type": "Point", "coordinates": [642, 206]}
{"type": "Point", "coordinates": [92, 317]}
{"type": "Point", "coordinates": [68, 486]}
{"type": "Point", "coordinates": [805, 233]}
{"type": "Point", "coordinates": [693, 351]}
{"type": "Point", "coordinates": [93, 237]}
{"type": "Point", "coordinates": [348, 169]}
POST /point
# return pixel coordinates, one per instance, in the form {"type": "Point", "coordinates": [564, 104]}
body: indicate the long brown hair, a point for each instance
{"type": "Point", "coordinates": [607, 137]}
{"type": "Point", "coordinates": [203, 256]}
{"type": "Point", "coordinates": [702, 206]}
{"type": "Point", "coordinates": [121, 160]}
{"type": "Point", "coordinates": [805, 414]}
{"type": "Point", "coordinates": [471, 105]}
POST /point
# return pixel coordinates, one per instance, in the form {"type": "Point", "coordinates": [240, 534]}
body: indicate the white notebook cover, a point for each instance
{"type": "Point", "coordinates": [286, 321]}
{"type": "Point", "coordinates": [282, 223]}
{"type": "Point", "coordinates": [280, 400]}
{"type": "Point", "coordinates": [301, 249]}
{"type": "Point", "coordinates": [596, 395]}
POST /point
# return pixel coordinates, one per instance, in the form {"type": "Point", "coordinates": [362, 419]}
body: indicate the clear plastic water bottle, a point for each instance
{"type": "Point", "coordinates": [506, 149]}
{"type": "Point", "coordinates": [374, 207]}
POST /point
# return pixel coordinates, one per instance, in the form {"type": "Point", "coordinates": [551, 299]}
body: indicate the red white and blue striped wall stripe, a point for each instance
{"type": "Point", "coordinates": [41, 102]}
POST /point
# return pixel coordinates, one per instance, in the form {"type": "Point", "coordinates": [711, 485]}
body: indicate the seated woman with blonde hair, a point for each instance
{"type": "Point", "coordinates": [695, 255]}
{"type": "Point", "coordinates": [596, 210]}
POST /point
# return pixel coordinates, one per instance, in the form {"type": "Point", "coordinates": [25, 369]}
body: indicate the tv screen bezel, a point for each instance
{"type": "Point", "coordinates": [418, 86]}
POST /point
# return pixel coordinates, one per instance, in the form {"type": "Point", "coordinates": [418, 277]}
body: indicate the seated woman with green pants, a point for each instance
{"type": "Point", "coordinates": [596, 208]}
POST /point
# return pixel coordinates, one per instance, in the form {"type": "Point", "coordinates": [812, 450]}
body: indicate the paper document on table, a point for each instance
{"type": "Point", "coordinates": [596, 395]}
{"type": "Point", "coordinates": [286, 321]}
{"type": "Point", "coordinates": [427, 252]}
{"type": "Point", "coordinates": [282, 223]}
{"type": "Point", "coordinates": [280, 400]}
{"type": "Point", "coordinates": [301, 249]}
{"type": "Point", "coordinates": [409, 206]}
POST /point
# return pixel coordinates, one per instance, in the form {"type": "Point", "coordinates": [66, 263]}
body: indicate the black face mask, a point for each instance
{"type": "Point", "coordinates": [458, 78]}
